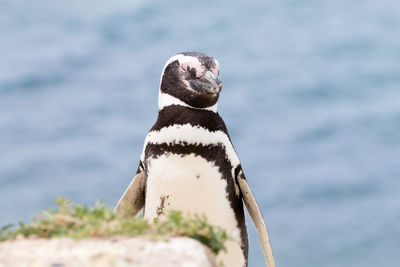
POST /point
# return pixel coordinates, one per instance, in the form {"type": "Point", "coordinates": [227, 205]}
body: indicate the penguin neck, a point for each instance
{"type": "Point", "coordinates": [175, 115]}
{"type": "Point", "coordinates": [165, 100]}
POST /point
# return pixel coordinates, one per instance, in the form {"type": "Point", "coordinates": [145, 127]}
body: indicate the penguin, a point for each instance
{"type": "Point", "coordinates": [189, 163]}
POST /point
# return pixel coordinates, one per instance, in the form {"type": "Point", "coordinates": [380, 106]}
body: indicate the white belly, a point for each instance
{"type": "Point", "coordinates": [191, 184]}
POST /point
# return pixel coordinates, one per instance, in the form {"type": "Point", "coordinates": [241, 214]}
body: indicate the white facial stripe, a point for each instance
{"type": "Point", "coordinates": [165, 100]}
{"type": "Point", "coordinates": [192, 135]}
{"type": "Point", "coordinates": [181, 59]}
{"type": "Point", "coordinates": [216, 66]}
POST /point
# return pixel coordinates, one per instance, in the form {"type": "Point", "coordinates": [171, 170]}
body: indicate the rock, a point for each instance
{"type": "Point", "coordinates": [139, 251]}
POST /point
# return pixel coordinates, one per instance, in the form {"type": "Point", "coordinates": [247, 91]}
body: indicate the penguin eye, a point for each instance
{"type": "Point", "coordinates": [190, 72]}
{"type": "Point", "coordinates": [193, 70]}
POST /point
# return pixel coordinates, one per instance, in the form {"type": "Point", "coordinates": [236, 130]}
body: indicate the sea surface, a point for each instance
{"type": "Point", "coordinates": [311, 98]}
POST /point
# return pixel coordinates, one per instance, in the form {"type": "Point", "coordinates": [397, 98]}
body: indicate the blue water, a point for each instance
{"type": "Point", "coordinates": [311, 98]}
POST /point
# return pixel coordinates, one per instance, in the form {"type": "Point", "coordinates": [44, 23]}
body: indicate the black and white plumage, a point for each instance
{"type": "Point", "coordinates": [188, 162]}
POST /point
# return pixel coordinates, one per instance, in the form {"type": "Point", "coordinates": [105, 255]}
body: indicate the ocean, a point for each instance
{"type": "Point", "coordinates": [311, 98]}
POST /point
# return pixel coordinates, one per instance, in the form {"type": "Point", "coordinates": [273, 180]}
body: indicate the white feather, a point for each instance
{"type": "Point", "coordinates": [193, 185]}
{"type": "Point", "coordinates": [165, 100]}
{"type": "Point", "coordinates": [181, 59]}
{"type": "Point", "coordinates": [193, 135]}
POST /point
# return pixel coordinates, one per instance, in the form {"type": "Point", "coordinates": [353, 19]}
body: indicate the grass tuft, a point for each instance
{"type": "Point", "coordinates": [80, 221]}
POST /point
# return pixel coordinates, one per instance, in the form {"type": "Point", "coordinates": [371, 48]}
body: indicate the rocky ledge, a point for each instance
{"type": "Point", "coordinates": [138, 251]}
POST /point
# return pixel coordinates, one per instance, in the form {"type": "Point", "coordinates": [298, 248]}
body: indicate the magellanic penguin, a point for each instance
{"type": "Point", "coordinates": [188, 162]}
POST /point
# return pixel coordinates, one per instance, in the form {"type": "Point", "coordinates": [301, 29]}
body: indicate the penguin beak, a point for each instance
{"type": "Point", "coordinates": [209, 83]}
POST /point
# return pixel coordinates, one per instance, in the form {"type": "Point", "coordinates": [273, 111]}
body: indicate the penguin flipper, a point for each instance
{"type": "Point", "coordinates": [257, 218]}
{"type": "Point", "coordinates": [132, 201]}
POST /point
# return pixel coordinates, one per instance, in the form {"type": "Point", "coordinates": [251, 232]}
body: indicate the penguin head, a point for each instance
{"type": "Point", "coordinates": [191, 78]}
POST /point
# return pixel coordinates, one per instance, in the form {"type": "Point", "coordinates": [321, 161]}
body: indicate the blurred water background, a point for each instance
{"type": "Point", "coordinates": [311, 98]}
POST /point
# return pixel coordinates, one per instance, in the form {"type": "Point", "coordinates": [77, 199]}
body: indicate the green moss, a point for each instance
{"type": "Point", "coordinates": [80, 221]}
